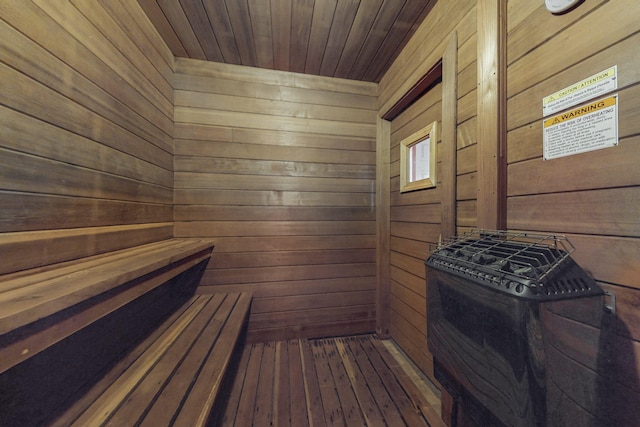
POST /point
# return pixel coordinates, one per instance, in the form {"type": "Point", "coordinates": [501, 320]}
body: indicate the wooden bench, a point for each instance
{"type": "Point", "coordinates": [172, 377]}
{"type": "Point", "coordinates": [69, 327]}
{"type": "Point", "coordinates": [31, 301]}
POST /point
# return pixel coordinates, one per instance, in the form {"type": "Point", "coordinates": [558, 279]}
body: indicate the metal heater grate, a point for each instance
{"type": "Point", "coordinates": [524, 265]}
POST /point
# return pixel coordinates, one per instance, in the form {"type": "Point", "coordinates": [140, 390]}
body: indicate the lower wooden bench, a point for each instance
{"type": "Point", "coordinates": [172, 377]}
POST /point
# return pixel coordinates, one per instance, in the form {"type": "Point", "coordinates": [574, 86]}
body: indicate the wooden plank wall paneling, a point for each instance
{"type": "Point", "coordinates": [416, 59]}
{"type": "Point", "coordinates": [415, 217]}
{"type": "Point", "coordinates": [593, 197]}
{"type": "Point", "coordinates": [86, 131]}
{"type": "Point", "coordinates": [415, 224]}
{"type": "Point", "coordinates": [280, 169]}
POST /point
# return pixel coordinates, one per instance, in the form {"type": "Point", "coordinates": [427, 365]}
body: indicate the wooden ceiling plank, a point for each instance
{"type": "Point", "coordinates": [219, 19]}
{"type": "Point", "coordinates": [182, 27]}
{"type": "Point", "coordinates": [260, 15]}
{"type": "Point", "coordinates": [162, 25]}
{"type": "Point", "coordinates": [340, 28]}
{"type": "Point", "coordinates": [281, 29]}
{"type": "Point", "coordinates": [197, 16]}
{"type": "Point", "coordinates": [301, 16]}
{"type": "Point", "coordinates": [241, 24]}
{"type": "Point", "coordinates": [352, 39]}
{"type": "Point", "coordinates": [406, 23]}
{"type": "Point", "coordinates": [323, 13]}
{"type": "Point", "coordinates": [427, 9]}
{"type": "Point", "coordinates": [382, 25]}
{"type": "Point", "coordinates": [365, 17]}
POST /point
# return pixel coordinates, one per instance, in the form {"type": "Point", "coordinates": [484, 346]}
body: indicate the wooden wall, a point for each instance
{"type": "Point", "coordinates": [415, 224]}
{"type": "Point", "coordinates": [593, 197]}
{"type": "Point", "coordinates": [86, 126]}
{"type": "Point", "coordinates": [416, 217]}
{"type": "Point", "coordinates": [279, 168]}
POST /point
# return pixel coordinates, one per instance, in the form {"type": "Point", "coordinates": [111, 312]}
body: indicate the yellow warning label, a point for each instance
{"type": "Point", "coordinates": [589, 81]}
{"type": "Point", "coordinates": [581, 111]}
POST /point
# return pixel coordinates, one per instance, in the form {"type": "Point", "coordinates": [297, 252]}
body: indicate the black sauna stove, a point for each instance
{"type": "Point", "coordinates": [486, 295]}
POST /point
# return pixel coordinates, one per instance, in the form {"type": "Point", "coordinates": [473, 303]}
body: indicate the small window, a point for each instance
{"type": "Point", "coordinates": [418, 159]}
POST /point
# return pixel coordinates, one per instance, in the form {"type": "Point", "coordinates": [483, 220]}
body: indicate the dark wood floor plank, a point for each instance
{"type": "Point", "coordinates": [246, 406]}
{"type": "Point", "coordinates": [408, 385]}
{"type": "Point", "coordinates": [409, 409]}
{"type": "Point", "coordinates": [330, 401]}
{"type": "Point", "coordinates": [281, 405]}
{"type": "Point", "coordinates": [352, 350]}
{"type": "Point", "coordinates": [367, 403]}
{"type": "Point", "coordinates": [228, 418]}
{"type": "Point", "coordinates": [348, 400]}
{"type": "Point", "coordinates": [349, 381]}
{"type": "Point", "coordinates": [264, 400]}
{"type": "Point", "coordinates": [297, 401]}
{"type": "Point", "coordinates": [312, 386]}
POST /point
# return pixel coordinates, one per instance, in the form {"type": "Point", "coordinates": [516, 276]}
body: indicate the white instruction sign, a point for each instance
{"type": "Point", "coordinates": [590, 127]}
{"type": "Point", "coordinates": [589, 88]}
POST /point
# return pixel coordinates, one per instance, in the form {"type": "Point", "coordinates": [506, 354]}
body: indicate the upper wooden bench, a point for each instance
{"type": "Point", "coordinates": [40, 307]}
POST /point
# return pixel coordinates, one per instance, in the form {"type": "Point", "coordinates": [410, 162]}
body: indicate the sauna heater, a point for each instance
{"type": "Point", "coordinates": [486, 291]}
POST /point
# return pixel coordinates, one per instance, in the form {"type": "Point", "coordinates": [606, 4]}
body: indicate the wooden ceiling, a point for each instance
{"type": "Point", "coordinates": [353, 39]}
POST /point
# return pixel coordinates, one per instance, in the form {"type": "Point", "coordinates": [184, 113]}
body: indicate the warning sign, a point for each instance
{"type": "Point", "coordinates": [590, 127]}
{"type": "Point", "coordinates": [589, 88]}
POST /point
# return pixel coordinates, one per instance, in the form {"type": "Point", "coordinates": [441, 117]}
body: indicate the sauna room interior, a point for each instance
{"type": "Point", "coordinates": [218, 212]}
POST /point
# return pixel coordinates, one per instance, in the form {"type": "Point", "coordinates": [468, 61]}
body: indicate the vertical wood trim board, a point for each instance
{"type": "Point", "coordinates": [448, 170]}
{"type": "Point", "coordinates": [383, 178]}
{"type": "Point", "coordinates": [491, 114]}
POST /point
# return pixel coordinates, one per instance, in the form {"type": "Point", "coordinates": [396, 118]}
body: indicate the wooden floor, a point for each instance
{"type": "Point", "coordinates": [350, 381]}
